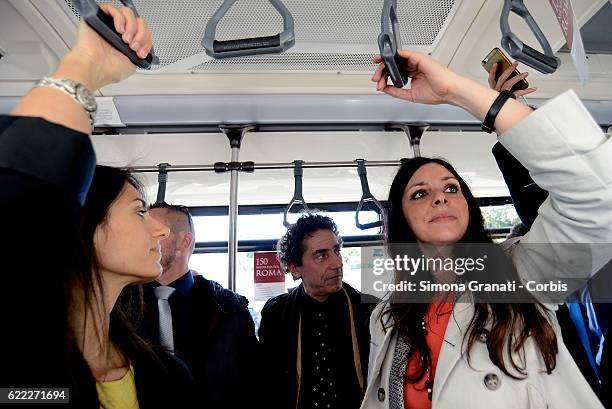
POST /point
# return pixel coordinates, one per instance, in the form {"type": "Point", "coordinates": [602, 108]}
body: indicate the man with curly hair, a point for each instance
{"type": "Point", "coordinates": [315, 339]}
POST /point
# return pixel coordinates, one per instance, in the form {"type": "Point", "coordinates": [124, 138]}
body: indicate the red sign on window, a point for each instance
{"type": "Point", "coordinates": [267, 269]}
{"type": "Point", "coordinates": [268, 275]}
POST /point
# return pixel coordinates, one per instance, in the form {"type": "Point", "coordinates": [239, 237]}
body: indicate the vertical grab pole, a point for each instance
{"type": "Point", "coordinates": [234, 133]}
{"type": "Point", "coordinates": [414, 131]}
{"type": "Point", "coordinates": [232, 249]}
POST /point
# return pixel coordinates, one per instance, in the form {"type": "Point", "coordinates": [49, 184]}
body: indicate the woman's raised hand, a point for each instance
{"type": "Point", "coordinates": [503, 83]}
{"type": "Point", "coordinates": [431, 82]}
{"type": "Point", "coordinates": [92, 62]}
{"type": "Point", "coordinates": [105, 64]}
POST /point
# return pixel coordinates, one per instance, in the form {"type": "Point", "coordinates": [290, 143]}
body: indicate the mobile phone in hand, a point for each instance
{"type": "Point", "coordinates": [503, 63]}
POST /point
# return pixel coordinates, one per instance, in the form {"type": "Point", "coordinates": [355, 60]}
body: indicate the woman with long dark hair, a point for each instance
{"type": "Point", "coordinates": [462, 348]}
{"type": "Point", "coordinates": [120, 249]}
{"type": "Point", "coordinates": [64, 304]}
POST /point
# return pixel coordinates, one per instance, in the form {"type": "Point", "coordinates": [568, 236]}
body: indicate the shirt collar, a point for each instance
{"type": "Point", "coordinates": [184, 284]}
{"type": "Point", "coordinates": [330, 302]}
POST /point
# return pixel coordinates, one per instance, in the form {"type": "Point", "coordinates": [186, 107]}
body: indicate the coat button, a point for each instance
{"type": "Point", "coordinates": [483, 335]}
{"type": "Point", "coordinates": [381, 395]}
{"type": "Point", "coordinates": [492, 381]}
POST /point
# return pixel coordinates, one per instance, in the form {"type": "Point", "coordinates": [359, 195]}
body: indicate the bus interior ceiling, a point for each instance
{"type": "Point", "coordinates": [314, 102]}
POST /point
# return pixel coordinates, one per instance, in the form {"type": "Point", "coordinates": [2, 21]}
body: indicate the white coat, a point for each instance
{"type": "Point", "coordinates": [567, 155]}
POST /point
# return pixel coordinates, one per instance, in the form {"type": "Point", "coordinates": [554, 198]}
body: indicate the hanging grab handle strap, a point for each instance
{"type": "Point", "coordinates": [162, 178]}
{"type": "Point", "coordinates": [248, 46]}
{"type": "Point", "coordinates": [297, 194]}
{"type": "Point", "coordinates": [389, 41]}
{"type": "Point", "coordinates": [546, 63]}
{"type": "Point", "coordinates": [103, 24]}
{"type": "Point", "coordinates": [366, 197]}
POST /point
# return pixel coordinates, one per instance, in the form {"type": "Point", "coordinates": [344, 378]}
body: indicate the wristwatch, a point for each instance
{"type": "Point", "coordinates": [76, 90]}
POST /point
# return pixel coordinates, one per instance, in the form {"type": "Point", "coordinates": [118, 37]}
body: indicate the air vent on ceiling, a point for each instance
{"type": "Point", "coordinates": [336, 36]}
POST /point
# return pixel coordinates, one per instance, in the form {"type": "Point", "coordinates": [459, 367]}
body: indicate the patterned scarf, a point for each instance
{"type": "Point", "coordinates": [396, 377]}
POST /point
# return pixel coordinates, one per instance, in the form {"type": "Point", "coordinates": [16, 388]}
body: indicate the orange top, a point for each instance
{"type": "Point", "coordinates": [436, 319]}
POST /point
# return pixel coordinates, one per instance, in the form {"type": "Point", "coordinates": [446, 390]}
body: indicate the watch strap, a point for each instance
{"type": "Point", "coordinates": [70, 87]}
{"type": "Point", "coordinates": [488, 125]}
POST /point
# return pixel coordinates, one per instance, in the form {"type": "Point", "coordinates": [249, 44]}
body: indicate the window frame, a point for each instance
{"type": "Point", "coordinates": [328, 208]}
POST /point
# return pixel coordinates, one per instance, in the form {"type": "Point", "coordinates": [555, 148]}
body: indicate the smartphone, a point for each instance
{"type": "Point", "coordinates": [503, 63]}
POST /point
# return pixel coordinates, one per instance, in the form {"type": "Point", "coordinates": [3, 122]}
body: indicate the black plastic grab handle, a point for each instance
{"type": "Point", "coordinates": [530, 56]}
{"type": "Point", "coordinates": [103, 24]}
{"type": "Point", "coordinates": [366, 226]}
{"type": "Point", "coordinates": [297, 199]}
{"type": "Point", "coordinates": [388, 43]}
{"type": "Point", "coordinates": [247, 44]}
{"type": "Point", "coordinates": [367, 197]}
{"type": "Point", "coordinates": [546, 62]}
{"type": "Point", "coordinates": [129, 4]}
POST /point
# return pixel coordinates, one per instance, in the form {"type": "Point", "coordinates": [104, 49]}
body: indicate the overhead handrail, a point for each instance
{"type": "Point", "coordinates": [414, 131]}
{"type": "Point", "coordinates": [297, 199]}
{"type": "Point", "coordinates": [367, 197]}
{"type": "Point", "coordinates": [103, 24]}
{"type": "Point", "coordinates": [162, 178]}
{"type": "Point", "coordinates": [221, 166]}
{"type": "Point", "coordinates": [248, 46]}
{"type": "Point", "coordinates": [248, 166]}
{"type": "Point", "coordinates": [389, 41]}
{"type": "Point", "coordinates": [546, 63]}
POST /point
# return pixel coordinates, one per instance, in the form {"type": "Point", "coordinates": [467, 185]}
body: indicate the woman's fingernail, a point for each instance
{"type": "Point", "coordinates": [135, 46]}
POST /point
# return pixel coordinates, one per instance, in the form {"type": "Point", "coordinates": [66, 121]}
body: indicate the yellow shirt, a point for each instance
{"type": "Point", "coordinates": [120, 393]}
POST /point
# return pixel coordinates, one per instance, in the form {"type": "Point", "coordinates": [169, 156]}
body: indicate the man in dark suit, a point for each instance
{"type": "Point", "coordinates": [315, 339]}
{"type": "Point", "coordinates": [213, 332]}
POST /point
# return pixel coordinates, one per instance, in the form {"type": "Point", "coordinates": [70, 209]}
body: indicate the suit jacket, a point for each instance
{"type": "Point", "coordinates": [527, 198]}
{"type": "Point", "coordinates": [576, 150]}
{"type": "Point", "coordinates": [214, 335]}
{"type": "Point", "coordinates": [45, 172]}
{"type": "Point", "coordinates": [278, 332]}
